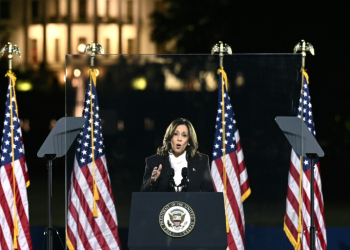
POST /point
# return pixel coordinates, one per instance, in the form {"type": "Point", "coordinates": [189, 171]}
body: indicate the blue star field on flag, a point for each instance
{"type": "Point", "coordinates": [6, 150]}
{"type": "Point", "coordinates": [84, 148]}
{"type": "Point", "coordinates": [229, 124]}
{"type": "Point", "coordinates": [305, 109]}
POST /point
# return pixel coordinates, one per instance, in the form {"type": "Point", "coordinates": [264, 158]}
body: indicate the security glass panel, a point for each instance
{"type": "Point", "coordinates": [140, 95]}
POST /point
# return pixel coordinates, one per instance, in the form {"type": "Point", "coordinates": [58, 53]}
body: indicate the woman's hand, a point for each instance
{"type": "Point", "coordinates": [156, 173]}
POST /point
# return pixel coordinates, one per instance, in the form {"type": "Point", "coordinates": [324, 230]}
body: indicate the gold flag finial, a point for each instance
{"type": "Point", "coordinates": [221, 49]}
{"type": "Point", "coordinates": [94, 48]}
{"type": "Point", "coordinates": [10, 49]}
{"type": "Point", "coordinates": [304, 47]}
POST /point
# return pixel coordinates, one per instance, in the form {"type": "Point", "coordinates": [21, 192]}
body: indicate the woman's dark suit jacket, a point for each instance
{"type": "Point", "coordinates": [198, 174]}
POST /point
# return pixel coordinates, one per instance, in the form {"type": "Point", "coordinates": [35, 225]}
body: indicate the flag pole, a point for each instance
{"type": "Point", "coordinates": [221, 49]}
{"type": "Point", "coordinates": [94, 48]}
{"type": "Point", "coordinates": [12, 49]}
{"type": "Point", "coordinates": [305, 47]}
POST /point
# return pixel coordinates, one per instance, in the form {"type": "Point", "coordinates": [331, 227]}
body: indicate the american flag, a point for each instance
{"type": "Point", "coordinates": [92, 218]}
{"type": "Point", "coordinates": [297, 218]}
{"type": "Point", "coordinates": [14, 217]}
{"type": "Point", "coordinates": [228, 166]}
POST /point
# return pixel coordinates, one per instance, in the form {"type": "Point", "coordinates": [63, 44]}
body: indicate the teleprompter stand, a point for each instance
{"type": "Point", "coordinates": [146, 226]}
{"type": "Point", "coordinates": [304, 144]}
{"type": "Point", "coordinates": [56, 145]}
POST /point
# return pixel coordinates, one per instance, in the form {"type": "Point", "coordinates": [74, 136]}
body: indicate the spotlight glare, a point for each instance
{"type": "Point", "coordinates": [81, 47]}
{"type": "Point", "coordinates": [77, 72]}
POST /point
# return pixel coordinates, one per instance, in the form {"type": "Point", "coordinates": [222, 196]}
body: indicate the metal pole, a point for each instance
{"type": "Point", "coordinates": [312, 205]}
{"type": "Point", "coordinates": [221, 49]}
{"type": "Point", "coordinates": [304, 47]}
{"type": "Point", "coordinates": [49, 158]}
{"type": "Point", "coordinates": [49, 179]}
{"type": "Point", "coordinates": [10, 56]}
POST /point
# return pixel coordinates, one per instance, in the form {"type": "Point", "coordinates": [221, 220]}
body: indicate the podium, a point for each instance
{"type": "Point", "coordinates": [187, 221]}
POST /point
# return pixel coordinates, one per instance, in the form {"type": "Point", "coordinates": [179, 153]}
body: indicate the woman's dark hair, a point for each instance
{"type": "Point", "coordinates": [192, 139]}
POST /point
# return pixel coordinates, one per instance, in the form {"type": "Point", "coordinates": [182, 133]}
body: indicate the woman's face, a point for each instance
{"type": "Point", "coordinates": [179, 140]}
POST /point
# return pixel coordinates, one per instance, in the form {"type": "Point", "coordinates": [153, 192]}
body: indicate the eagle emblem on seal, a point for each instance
{"type": "Point", "coordinates": [177, 217]}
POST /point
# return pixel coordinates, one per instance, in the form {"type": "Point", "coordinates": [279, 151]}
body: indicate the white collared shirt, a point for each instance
{"type": "Point", "coordinates": [177, 163]}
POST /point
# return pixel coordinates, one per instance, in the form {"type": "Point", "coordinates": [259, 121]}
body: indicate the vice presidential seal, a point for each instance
{"type": "Point", "coordinates": [177, 219]}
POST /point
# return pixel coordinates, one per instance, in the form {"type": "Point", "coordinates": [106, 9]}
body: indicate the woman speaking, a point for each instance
{"type": "Point", "coordinates": [178, 166]}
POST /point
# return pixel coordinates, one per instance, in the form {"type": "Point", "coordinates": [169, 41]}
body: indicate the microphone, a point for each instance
{"type": "Point", "coordinates": [184, 181]}
{"type": "Point", "coordinates": [171, 182]}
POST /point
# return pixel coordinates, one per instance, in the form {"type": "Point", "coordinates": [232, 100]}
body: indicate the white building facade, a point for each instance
{"type": "Point", "coordinates": [47, 30]}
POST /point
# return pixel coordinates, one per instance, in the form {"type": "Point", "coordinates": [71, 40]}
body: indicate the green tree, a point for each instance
{"type": "Point", "coordinates": [186, 23]}
{"type": "Point", "coordinates": [194, 26]}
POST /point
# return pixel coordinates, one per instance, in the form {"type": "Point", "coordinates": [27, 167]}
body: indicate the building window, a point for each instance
{"type": "Point", "coordinates": [57, 50]}
{"type": "Point", "coordinates": [34, 51]}
{"type": "Point", "coordinates": [131, 46]}
{"type": "Point", "coordinates": [108, 46]}
{"type": "Point", "coordinates": [129, 11]}
{"type": "Point", "coordinates": [5, 9]}
{"type": "Point", "coordinates": [35, 9]}
{"type": "Point", "coordinates": [82, 9]}
{"type": "Point", "coordinates": [81, 44]}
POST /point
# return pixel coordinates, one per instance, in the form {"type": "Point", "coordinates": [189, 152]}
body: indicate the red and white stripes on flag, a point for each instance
{"type": "Point", "coordinates": [83, 230]}
{"type": "Point", "coordinates": [228, 167]}
{"type": "Point", "coordinates": [14, 179]}
{"type": "Point", "coordinates": [297, 218]}
{"type": "Point", "coordinates": [92, 218]}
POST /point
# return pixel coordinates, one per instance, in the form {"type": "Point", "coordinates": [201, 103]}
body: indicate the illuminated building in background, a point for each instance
{"type": "Point", "coordinates": [47, 30]}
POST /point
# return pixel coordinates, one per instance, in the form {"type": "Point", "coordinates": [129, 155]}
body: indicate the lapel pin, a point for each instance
{"type": "Point", "coordinates": [194, 169]}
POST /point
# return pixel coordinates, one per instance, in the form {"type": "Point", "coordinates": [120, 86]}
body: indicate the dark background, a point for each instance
{"type": "Point", "coordinates": [248, 27]}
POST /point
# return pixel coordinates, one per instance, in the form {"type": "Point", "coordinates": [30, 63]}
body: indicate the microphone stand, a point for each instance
{"type": "Point", "coordinates": [171, 182]}
{"type": "Point", "coordinates": [184, 180]}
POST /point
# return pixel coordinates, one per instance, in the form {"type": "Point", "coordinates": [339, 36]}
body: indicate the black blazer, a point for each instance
{"type": "Point", "coordinates": [198, 174]}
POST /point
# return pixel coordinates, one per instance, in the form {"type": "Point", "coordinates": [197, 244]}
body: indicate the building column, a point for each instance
{"type": "Point", "coordinates": [138, 27]}
{"type": "Point", "coordinates": [44, 34]}
{"type": "Point", "coordinates": [120, 23]}
{"type": "Point", "coordinates": [25, 30]}
{"type": "Point", "coordinates": [95, 22]}
{"type": "Point", "coordinates": [69, 26]}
